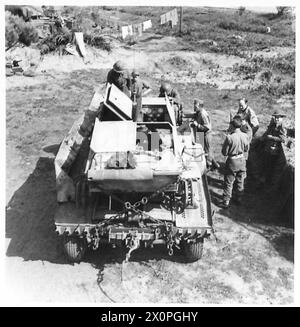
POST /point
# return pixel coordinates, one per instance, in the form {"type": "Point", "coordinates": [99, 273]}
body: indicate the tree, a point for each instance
{"type": "Point", "coordinates": [17, 30]}
{"type": "Point", "coordinates": [241, 10]}
{"type": "Point", "coordinates": [281, 10]}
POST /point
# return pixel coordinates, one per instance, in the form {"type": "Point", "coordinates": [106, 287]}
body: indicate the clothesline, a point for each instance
{"type": "Point", "coordinates": [170, 16]}
{"type": "Point", "coordinates": [135, 29]}
{"type": "Point", "coordinates": [138, 29]}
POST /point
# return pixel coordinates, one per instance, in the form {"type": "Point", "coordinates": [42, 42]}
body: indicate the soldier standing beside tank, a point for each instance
{"type": "Point", "coordinates": [119, 76]}
{"type": "Point", "coordinates": [137, 87]}
{"type": "Point", "coordinates": [274, 159]}
{"type": "Point", "coordinates": [249, 118]}
{"type": "Point", "coordinates": [235, 147]}
{"type": "Point", "coordinates": [173, 94]}
{"type": "Point", "coordinates": [201, 123]}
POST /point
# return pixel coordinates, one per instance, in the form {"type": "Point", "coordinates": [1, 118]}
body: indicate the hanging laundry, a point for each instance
{"type": "Point", "coordinates": [168, 16]}
{"type": "Point", "coordinates": [174, 17]}
{"type": "Point", "coordinates": [140, 29]}
{"type": "Point", "coordinates": [124, 32]}
{"type": "Point", "coordinates": [135, 28]}
{"type": "Point", "coordinates": [130, 31]}
{"type": "Point", "coordinates": [163, 19]}
{"type": "Point", "coordinates": [147, 24]}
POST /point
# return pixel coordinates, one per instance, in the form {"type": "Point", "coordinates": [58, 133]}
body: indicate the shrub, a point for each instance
{"type": "Point", "coordinates": [17, 30]}
{"type": "Point", "coordinates": [11, 36]}
{"type": "Point", "coordinates": [278, 90]}
{"type": "Point", "coordinates": [97, 41]}
{"type": "Point", "coordinates": [27, 34]}
{"type": "Point", "coordinates": [266, 76]}
{"type": "Point", "coordinates": [228, 25]}
{"type": "Point", "coordinates": [281, 10]}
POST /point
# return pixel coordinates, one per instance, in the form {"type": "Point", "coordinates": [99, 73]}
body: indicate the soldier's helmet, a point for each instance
{"type": "Point", "coordinates": [277, 113]}
{"type": "Point", "coordinates": [166, 87]}
{"type": "Point", "coordinates": [119, 66]}
{"type": "Point", "coordinates": [198, 103]}
{"type": "Point", "coordinates": [135, 72]}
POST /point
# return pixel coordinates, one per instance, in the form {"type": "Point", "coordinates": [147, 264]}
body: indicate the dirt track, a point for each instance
{"type": "Point", "coordinates": [252, 261]}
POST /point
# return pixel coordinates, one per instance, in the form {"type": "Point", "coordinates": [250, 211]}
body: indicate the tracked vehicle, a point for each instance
{"type": "Point", "coordinates": [131, 183]}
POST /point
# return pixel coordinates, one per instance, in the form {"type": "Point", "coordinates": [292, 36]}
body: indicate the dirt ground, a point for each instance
{"type": "Point", "coordinates": [252, 261]}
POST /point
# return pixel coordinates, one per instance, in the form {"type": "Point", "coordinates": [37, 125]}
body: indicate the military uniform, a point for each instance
{"type": "Point", "coordinates": [248, 115]}
{"type": "Point", "coordinates": [136, 96]}
{"type": "Point", "coordinates": [120, 80]}
{"type": "Point", "coordinates": [173, 93]}
{"type": "Point", "coordinates": [203, 124]}
{"type": "Point", "coordinates": [234, 148]}
{"type": "Point", "coordinates": [274, 159]}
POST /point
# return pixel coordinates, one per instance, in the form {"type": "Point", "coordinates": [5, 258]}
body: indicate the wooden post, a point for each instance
{"type": "Point", "coordinates": [180, 22]}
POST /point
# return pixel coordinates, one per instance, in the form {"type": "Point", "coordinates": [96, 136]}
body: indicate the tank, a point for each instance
{"type": "Point", "coordinates": [131, 184]}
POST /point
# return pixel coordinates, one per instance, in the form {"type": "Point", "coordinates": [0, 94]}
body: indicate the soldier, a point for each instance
{"type": "Point", "coordinates": [119, 76]}
{"type": "Point", "coordinates": [137, 87]}
{"type": "Point", "coordinates": [234, 148]}
{"type": "Point", "coordinates": [202, 123]}
{"type": "Point", "coordinates": [248, 116]}
{"type": "Point", "coordinates": [172, 93]}
{"type": "Point", "coordinates": [274, 158]}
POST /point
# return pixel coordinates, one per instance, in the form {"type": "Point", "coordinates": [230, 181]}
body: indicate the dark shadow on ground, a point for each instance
{"type": "Point", "coordinates": [284, 244]}
{"type": "Point", "coordinates": [29, 217]}
{"type": "Point", "coordinates": [260, 210]}
{"type": "Point", "coordinates": [150, 38]}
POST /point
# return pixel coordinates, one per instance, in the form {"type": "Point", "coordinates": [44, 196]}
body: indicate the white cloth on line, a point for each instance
{"type": "Point", "coordinates": [174, 17]}
{"type": "Point", "coordinates": [140, 29]}
{"type": "Point", "coordinates": [124, 32]}
{"type": "Point", "coordinates": [163, 19]}
{"type": "Point", "coordinates": [168, 16]}
{"type": "Point", "coordinates": [130, 30]}
{"type": "Point", "coordinates": [147, 24]}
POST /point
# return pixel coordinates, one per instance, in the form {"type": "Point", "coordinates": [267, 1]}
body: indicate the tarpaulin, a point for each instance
{"type": "Point", "coordinates": [80, 43]}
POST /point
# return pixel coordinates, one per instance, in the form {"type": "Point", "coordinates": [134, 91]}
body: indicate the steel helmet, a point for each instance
{"type": "Point", "coordinates": [198, 103]}
{"type": "Point", "coordinates": [135, 72]}
{"type": "Point", "coordinates": [277, 113]}
{"type": "Point", "coordinates": [166, 87]}
{"type": "Point", "coordinates": [119, 66]}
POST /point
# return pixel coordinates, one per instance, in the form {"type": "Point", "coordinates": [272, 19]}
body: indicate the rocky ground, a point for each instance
{"type": "Point", "coordinates": [251, 262]}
